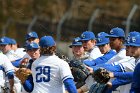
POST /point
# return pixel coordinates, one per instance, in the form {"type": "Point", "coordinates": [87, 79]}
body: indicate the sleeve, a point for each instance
{"type": "Point", "coordinates": [103, 59]}
{"type": "Point", "coordinates": [65, 71]}
{"type": "Point", "coordinates": [109, 67]}
{"type": "Point", "coordinates": [123, 75]}
{"type": "Point", "coordinates": [70, 86]}
{"type": "Point", "coordinates": [28, 84]}
{"type": "Point", "coordinates": [16, 63]}
{"type": "Point", "coordinates": [8, 67]}
{"type": "Point", "coordinates": [118, 82]}
{"type": "Point", "coordinates": [135, 87]}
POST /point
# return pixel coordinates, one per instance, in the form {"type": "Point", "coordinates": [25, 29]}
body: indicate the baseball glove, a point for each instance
{"type": "Point", "coordinates": [79, 70]}
{"type": "Point", "coordinates": [22, 74]}
{"type": "Point", "coordinates": [101, 76]}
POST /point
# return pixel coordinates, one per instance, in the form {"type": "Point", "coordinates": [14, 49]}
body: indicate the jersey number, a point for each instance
{"type": "Point", "coordinates": [43, 71]}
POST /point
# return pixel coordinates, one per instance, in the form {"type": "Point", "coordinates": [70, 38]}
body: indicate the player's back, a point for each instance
{"type": "Point", "coordinates": [49, 73]}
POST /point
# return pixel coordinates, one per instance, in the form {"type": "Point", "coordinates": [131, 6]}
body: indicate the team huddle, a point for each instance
{"type": "Point", "coordinates": [107, 63]}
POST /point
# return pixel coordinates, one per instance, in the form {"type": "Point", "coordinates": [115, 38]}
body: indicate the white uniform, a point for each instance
{"type": "Point", "coordinates": [121, 55]}
{"type": "Point", "coordinates": [49, 72]}
{"type": "Point", "coordinates": [95, 53]}
{"type": "Point", "coordinates": [127, 64]}
{"type": "Point", "coordinates": [8, 67]}
{"type": "Point", "coordinates": [20, 52]}
{"type": "Point", "coordinates": [12, 57]}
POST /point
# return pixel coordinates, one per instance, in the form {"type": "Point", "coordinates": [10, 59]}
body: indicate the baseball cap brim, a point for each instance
{"type": "Point", "coordinates": [98, 44]}
{"type": "Point", "coordinates": [114, 36]}
{"type": "Point", "coordinates": [75, 45]}
{"type": "Point", "coordinates": [132, 44]}
{"type": "Point", "coordinates": [3, 43]}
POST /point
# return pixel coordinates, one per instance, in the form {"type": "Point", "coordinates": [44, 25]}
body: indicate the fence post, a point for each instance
{"type": "Point", "coordinates": [128, 21]}
{"type": "Point", "coordinates": [31, 24]}
{"type": "Point", "coordinates": [92, 19]}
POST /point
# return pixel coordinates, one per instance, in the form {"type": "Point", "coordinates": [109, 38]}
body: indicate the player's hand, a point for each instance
{"type": "Point", "coordinates": [109, 84]}
{"type": "Point", "coordinates": [90, 69]}
{"type": "Point", "coordinates": [111, 74]}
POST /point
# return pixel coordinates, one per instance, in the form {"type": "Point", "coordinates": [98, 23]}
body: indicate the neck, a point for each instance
{"type": "Point", "coordinates": [118, 49]}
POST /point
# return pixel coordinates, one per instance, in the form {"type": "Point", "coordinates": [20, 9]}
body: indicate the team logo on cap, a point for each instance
{"type": "Point", "coordinates": [99, 39]}
{"type": "Point", "coordinates": [128, 39]}
{"type": "Point", "coordinates": [2, 40]}
{"type": "Point", "coordinates": [83, 36]}
{"type": "Point", "coordinates": [32, 45]}
{"type": "Point", "coordinates": [30, 34]}
{"type": "Point", "coordinates": [99, 34]}
{"type": "Point", "coordinates": [111, 32]}
{"type": "Point", "coordinates": [76, 40]}
{"type": "Point", "coordinates": [133, 39]}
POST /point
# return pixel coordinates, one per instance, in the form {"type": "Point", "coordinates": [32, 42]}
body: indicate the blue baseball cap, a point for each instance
{"type": "Point", "coordinates": [13, 41]}
{"type": "Point", "coordinates": [133, 33]}
{"type": "Point", "coordinates": [32, 45]}
{"type": "Point", "coordinates": [5, 41]}
{"type": "Point", "coordinates": [87, 35]}
{"type": "Point", "coordinates": [117, 32]}
{"type": "Point", "coordinates": [102, 39]}
{"type": "Point", "coordinates": [133, 39]}
{"type": "Point", "coordinates": [76, 42]}
{"type": "Point", "coordinates": [46, 41]}
{"type": "Point", "coordinates": [31, 35]}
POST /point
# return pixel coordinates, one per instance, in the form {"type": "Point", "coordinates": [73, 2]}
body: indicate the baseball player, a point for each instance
{"type": "Point", "coordinates": [19, 51]}
{"type": "Point", "coordinates": [5, 43]}
{"type": "Point", "coordinates": [50, 73]}
{"type": "Point", "coordinates": [104, 46]}
{"type": "Point", "coordinates": [6, 68]}
{"type": "Point", "coordinates": [78, 55]}
{"type": "Point", "coordinates": [123, 66]}
{"type": "Point", "coordinates": [34, 52]}
{"type": "Point", "coordinates": [89, 44]}
{"type": "Point", "coordinates": [78, 50]}
{"type": "Point", "coordinates": [134, 44]}
{"type": "Point", "coordinates": [32, 37]}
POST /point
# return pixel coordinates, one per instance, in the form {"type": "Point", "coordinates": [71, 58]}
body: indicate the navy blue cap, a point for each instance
{"type": "Point", "coordinates": [76, 42]}
{"type": "Point", "coordinates": [5, 41]}
{"type": "Point", "coordinates": [87, 35]}
{"type": "Point", "coordinates": [46, 41]}
{"type": "Point", "coordinates": [32, 45]}
{"type": "Point", "coordinates": [31, 35]}
{"type": "Point", "coordinates": [117, 32]}
{"type": "Point", "coordinates": [102, 39]}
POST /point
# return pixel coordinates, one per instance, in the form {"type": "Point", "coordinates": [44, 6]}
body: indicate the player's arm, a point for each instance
{"type": "Point", "coordinates": [69, 85]}
{"type": "Point", "coordinates": [109, 67]}
{"type": "Point", "coordinates": [10, 76]}
{"type": "Point", "coordinates": [121, 75]}
{"type": "Point", "coordinates": [28, 84]}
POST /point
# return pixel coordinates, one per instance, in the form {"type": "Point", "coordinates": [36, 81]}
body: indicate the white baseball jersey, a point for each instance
{"type": "Point", "coordinates": [12, 55]}
{"type": "Point", "coordinates": [119, 56]}
{"type": "Point", "coordinates": [8, 67]}
{"type": "Point", "coordinates": [95, 53]}
{"type": "Point", "coordinates": [20, 52]}
{"type": "Point", "coordinates": [49, 72]}
{"type": "Point", "coordinates": [128, 65]}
